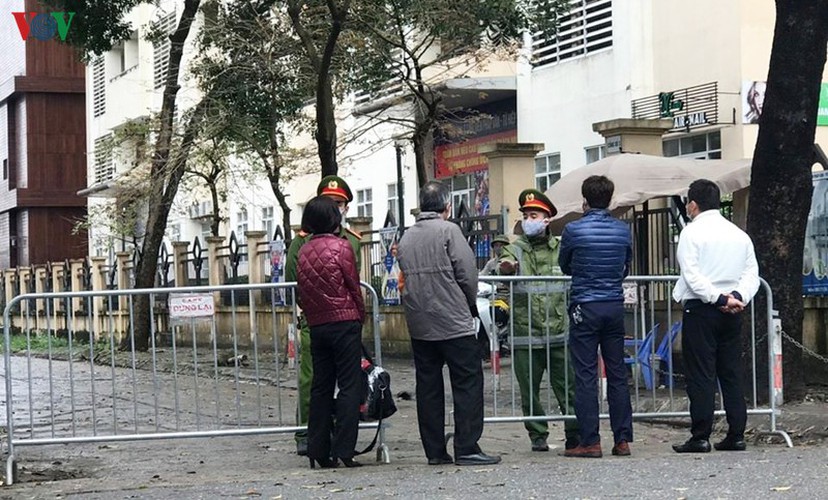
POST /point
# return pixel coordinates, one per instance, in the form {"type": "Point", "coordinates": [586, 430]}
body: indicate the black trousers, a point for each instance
{"type": "Point", "coordinates": [462, 355]}
{"type": "Point", "coordinates": [336, 349]}
{"type": "Point", "coordinates": [712, 348]}
{"type": "Point", "coordinates": [594, 324]}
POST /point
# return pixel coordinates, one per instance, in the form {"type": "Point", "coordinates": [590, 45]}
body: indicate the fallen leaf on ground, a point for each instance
{"type": "Point", "coordinates": [253, 493]}
{"type": "Point", "coordinates": [780, 488]}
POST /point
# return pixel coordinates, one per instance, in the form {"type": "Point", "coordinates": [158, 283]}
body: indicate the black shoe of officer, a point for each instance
{"type": "Point", "coordinates": [693, 446]}
{"type": "Point", "coordinates": [539, 444]}
{"type": "Point", "coordinates": [730, 444]}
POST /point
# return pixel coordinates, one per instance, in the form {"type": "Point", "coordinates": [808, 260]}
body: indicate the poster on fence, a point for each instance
{"type": "Point", "coordinates": [630, 294]}
{"type": "Point", "coordinates": [191, 306]}
{"type": "Point", "coordinates": [391, 268]}
{"type": "Point", "coordinates": [277, 259]}
{"type": "Point", "coordinates": [815, 256]}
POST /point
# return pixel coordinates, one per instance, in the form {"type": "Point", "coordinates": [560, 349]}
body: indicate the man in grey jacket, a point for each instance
{"type": "Point", "coordinates": [439, 293]}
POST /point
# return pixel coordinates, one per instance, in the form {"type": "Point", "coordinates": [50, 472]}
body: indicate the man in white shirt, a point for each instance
{"type": "Point", "coordinates": [719, 276]}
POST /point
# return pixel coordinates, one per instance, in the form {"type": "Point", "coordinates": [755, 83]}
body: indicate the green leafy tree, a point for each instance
{"type": "Point", "coordinates": [780, 185]}
{"type": "Point", "coordinates": [408, 49]}
{"type": "Point", "coordinates": [261, 88]}
{"type": "Point", "coordinates": [209, 166]}
{"type": "Point", "coordinates": [97, 26]}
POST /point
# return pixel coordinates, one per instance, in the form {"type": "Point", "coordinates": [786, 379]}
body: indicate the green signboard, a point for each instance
{"type": "Point", "coordinates": [822, 112]}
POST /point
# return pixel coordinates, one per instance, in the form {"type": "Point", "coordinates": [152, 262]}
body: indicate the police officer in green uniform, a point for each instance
{"type": "Point", "coordinates": [538, 342]}
{"type": "Point", "coordinates": [338, 189]}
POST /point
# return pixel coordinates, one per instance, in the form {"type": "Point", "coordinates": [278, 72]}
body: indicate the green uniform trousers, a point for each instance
{"type": "Point", "coordinates": [305, 379]}
{"type": "Point", "coordinates": [560, 373]}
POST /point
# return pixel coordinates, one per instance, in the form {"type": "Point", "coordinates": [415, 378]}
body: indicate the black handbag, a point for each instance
{"type": "Point", "coordinates": [378, 401]}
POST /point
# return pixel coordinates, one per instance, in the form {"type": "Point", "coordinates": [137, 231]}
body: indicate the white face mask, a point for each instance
{"type": "Point", "coordinates": [533, 227]}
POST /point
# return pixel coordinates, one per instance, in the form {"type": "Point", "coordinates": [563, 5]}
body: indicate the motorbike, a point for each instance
{"type": "Point", "coordinates": [493, 324]}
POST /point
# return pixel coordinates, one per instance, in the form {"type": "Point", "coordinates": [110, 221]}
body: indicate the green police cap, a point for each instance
{"type": "Point", "coordinates": [532, 198]}
{"type": "Point", "coordinates": [336, 187]}
{"type": "Point", "coordinates": [500, 238]}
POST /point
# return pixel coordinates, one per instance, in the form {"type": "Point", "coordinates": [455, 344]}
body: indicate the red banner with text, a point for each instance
{"type": "Point", "coordinates": [462, 158]}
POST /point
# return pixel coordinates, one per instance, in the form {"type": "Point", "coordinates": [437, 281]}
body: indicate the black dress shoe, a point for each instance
{"type": "Point", "coordinates": [477, 459]}
{"type": "Point", "coordinates": [325, 463]}
{"type": "Point", "coordinates": [728, 444]}
{"type": "Point", "coordinates": [693, 446]}
{"type": "Point", "coordinates": [444, 460]}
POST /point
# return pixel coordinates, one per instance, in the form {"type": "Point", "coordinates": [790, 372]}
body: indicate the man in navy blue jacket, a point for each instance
{"type": "Point", "coordinates": [597, 251]}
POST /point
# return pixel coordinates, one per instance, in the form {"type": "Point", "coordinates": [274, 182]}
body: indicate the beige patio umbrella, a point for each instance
{"type": "Point", "coordinates": [639, 178]}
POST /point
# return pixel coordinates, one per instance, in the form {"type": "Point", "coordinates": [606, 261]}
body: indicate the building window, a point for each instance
{"type": "Point", "coordinates": [595, 153]}
{"type": "Point", "coordinates": [206, 232]}
{"type": "Point", "coordinates": [461, 195]}
{"type": "Point", "coordinates": [300, 209]}
{"type": "Point", "coordinates": [98, 87]}
{"type": "Point", "coordinates": [585, 29]}
{"type": "Point", "coordinates": [393, 201]}
{"type": "Point", "coordinates": [161, 50]}
{"type": "Point", "coordinates": [5, 169]}
{"type": "Point", "coordinates": [267, 222]}
{"type": "Point", "coordinates": [131, 52]}
{"type": "Point", "coordinates": [364, 203]}
{"type": "Point", "coordinates": [104, 166]}
{"type": "Point", "coordinates": [700, 146]}
{"type": "Point", "coordinates": [241, 226]}
{"type": "Point", "coordinates": [547, 171]}
{"type": "Point", "coordinates": [175, 232]}
{"type": "Point", "coordinates": [388, 88]}
{"type": "Point", "coordinates": [116, 62]}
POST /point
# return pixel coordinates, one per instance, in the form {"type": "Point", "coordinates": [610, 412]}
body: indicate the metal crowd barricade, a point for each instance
{"type": "Point", "coordinates": [649, 311]}
{"type": "Point", "coordinates": [224, 376]}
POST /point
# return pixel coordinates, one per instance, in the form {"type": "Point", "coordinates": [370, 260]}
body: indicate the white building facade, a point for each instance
{"type": "Point", "coordinates": [702, 62]}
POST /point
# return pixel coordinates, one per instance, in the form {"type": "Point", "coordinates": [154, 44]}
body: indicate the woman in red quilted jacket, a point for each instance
{"type": "Point", "coordinates": [330, 296]}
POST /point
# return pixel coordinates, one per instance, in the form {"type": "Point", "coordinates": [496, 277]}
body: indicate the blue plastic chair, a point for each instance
{"type": "Point", "coordinates": [650, 362]}
{"type": "Point", "coordinates": [640, 345]}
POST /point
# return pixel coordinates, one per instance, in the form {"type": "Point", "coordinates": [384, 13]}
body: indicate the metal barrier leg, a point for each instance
{"type": "Point", "coordinates": [383, 453]}
{"type": "Point", "coordinates": [784, 435]}
{"type": "Point", "coordinates": [11, 470]}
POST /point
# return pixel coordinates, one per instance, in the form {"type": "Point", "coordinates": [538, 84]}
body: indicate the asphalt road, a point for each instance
{"type": "Point", "coordinates": [267, 466]}
{"type": "Point", "coordinates": [652, 472]}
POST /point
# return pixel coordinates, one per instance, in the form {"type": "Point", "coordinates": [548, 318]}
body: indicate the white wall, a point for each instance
{"type": "Point", "coordinates": [557, 104]}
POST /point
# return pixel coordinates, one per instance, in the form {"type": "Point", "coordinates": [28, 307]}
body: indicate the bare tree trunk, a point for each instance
{"type": "Point", "coordinates": [326, 126]}
{"type": "Point", "coordinates": [274, 175]}
{"type": "Point", "coordinates": [780, 186]}
{"type": "Point", "coordinates": [215, 218]}
{"type": "Point", "coordinates": [325, 134]}
{"type": "Point", "coordinates": [157, 213]}
{"type": "Point", "coordinates": [426, 108]}
{"type": "Point", "coordinates": [418, 141]}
